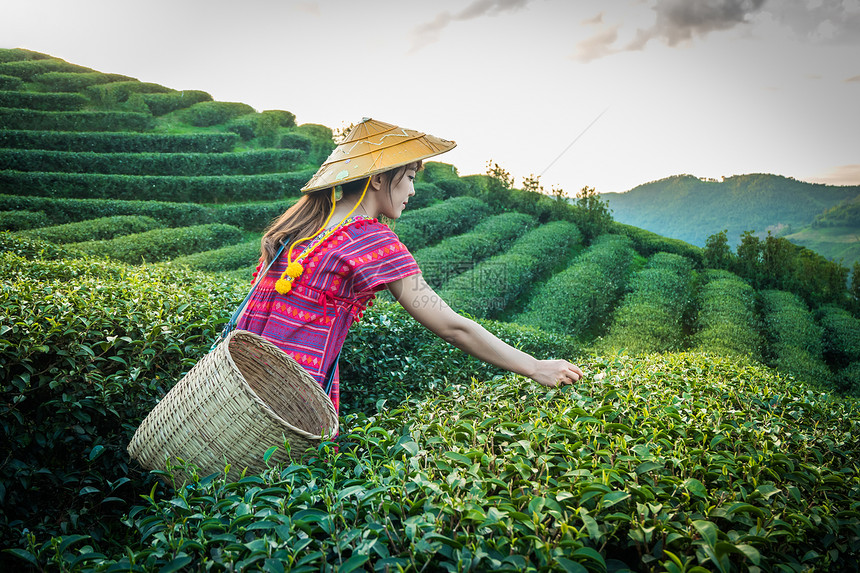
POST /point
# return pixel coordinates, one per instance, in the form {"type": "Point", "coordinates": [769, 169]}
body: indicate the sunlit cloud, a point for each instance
{"type": "Point", "coordinates": [841, 175]}
{"type": "Point", "coordinates": [676, 22]}
{"type": "Point", "coordinates": [430, 32]}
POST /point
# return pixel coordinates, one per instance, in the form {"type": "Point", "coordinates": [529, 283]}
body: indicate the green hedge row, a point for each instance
{"type": "Point", "coordinates": [95, 229]}
{"type": "Point", "coordinates": [231, 258]}
{"type": "Point", "coordinates": [11, 118]}
{"type": "Point", "coordinates": [206, 189]}
{"type": "Point", "coordinates": [841, 335]}
{"type": "Point", "coordinates": [61, 211]}
{"type": "Point", "coordinates": [77, 81]}
{"type": "Point", "coordinates": [795, 341]}
{"type": "Point", "coordinates": [118, 92]}
{"type": "Point", "coordinates": [576, 300]}
{"type": "Point", "coordinates": [21, 220]}
{"type": "Point", "coordinates": [42, 101]}
{"type": "Point", "coordinates": [268, 128]}
{"type": "Point", "coordinates": [651, 316]}
{"type": "Point", "coordinates": [119, 142]}
{"type": "Point", "coordinates": [647, 243]}
{"type": "Point", "coordinates": [425, 227]}
{"type": "Point", "coordinates": [162, 104]}
{"type": "Point", "coordinates": [727, 321]}
{"type": "Point", "coordinates": [426, 194]}
{"type": "Point", "coordinates": [163, 244]}
{"type": "Point", "coordinates": [251, 216]}
{"type": "Point", "coordinates": [460, 253]}
{"type": "Point", "coordinates": [209, 113]}
{"type": "Point", "coordinates": [20, 54]}
{"type": "Point", "coordinates": [251, 162]}
{"type": "Point", "coordinates": [841, 347]}
{"type": "Point", "coordinates": [11, 83]}
{"type": "Point", "coordinates": [494, 284]}
{"type": "Point", "coordinates": [27, 70]}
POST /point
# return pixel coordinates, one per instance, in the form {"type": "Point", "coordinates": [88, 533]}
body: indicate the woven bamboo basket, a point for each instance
{"type": "Point", "coordinates": [240, 399]}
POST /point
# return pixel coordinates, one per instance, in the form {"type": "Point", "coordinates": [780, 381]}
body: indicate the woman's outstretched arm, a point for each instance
{"type": "Point", "coordinates": [425, 306]}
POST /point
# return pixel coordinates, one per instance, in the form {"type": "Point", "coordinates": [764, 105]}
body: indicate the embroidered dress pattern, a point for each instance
{"type": "Point", "coordinates": [341, 278]}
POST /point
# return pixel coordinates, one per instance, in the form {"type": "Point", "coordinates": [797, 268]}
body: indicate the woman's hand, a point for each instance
{"type": "Point", "coordinates": [555, 373]}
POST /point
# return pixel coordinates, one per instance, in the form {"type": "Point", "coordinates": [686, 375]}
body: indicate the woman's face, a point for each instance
{"type": "Point", "coordinates": [394, 203]}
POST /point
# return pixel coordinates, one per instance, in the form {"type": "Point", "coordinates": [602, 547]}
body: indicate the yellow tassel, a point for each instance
{"type": "Point", "coordinates": [295, 269]}
{"type": "Point", "coordinates": [283, 286]}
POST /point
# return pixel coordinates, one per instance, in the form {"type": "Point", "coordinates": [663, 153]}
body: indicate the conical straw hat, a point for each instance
{"type": "Point", "coordinates": [373, 147]}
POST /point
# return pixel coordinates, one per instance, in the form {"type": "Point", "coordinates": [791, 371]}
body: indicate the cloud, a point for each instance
{"type": "Point", "coordinates": [680, 20]}
{"type": "Point", "coordinates": [820, 21]}
{"type": "Point", "coordinates": [430, 32]}
{"type": "Point", "coordinates": [853, 79]}
{"type": "Point", "coordinates": [676, 21]}
{"type": "Point", "coordinates": [841, 175]}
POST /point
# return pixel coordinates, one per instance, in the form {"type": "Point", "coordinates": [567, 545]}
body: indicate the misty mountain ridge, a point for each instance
{"type": "Point", "coordinates": [690, 208]}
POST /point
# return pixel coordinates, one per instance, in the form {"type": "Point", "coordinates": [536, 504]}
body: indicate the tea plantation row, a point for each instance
{"type": "Point", "coordinates": [654, 463]}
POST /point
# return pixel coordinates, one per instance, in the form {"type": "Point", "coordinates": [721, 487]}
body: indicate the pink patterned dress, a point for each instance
{"type": "Point", "coordinates": [341, 278]}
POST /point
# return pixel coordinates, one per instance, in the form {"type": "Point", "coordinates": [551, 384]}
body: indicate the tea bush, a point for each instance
{"type": "Point", "coordinates": [494, 284]}
{"type": "Point", "coordinates": [19, 220]}
{"type": "Point", "coordinates": [11, 83]}
{"type": "Point", "coordinates": [75, 81]}
{"type": "Point", "coordinates": [647, 243]}
{"type": "Point", "coordinates": [42, 101]}
{"type": "Point", "coordinates": [233, 257]}
{"type": "Point", "coordinates": [203, 189]}
{"type": "Point", "coordinates": [651, 316]}
{"type": "Point", "coordinates": [425, 227]}
{"type": "Point", "coordinates": [20, 54]}
{"type": "Point", "coordinates": [426, 194]}
{"type": "Point", "coordinates": [29, 248]}
{"type": "Point", "coordinates": [72, 210]}
{"type": "Point", "coordinates": [27, 70]}
{"type": "Point", "coordinates": [100, 142]}
{"type": "Point", "coordinates": [251, 216]}
{"type": "Point", "coordinates": [665, 463]}
{"type": "Point", "coordinates": [163, 244]}
{"type": "Point", "coordinates": [727, 321]}
{"type": "Point", "coordinates": [389, 356]}
{"type": "Point", "coordinates": [841, 335]}
{"type": "Point", "coordinates": [437, 171]}
{"type": "Point", "coordinates": [460, 253]}
{"type": "Point", "coordinates": [578, 299]}
{"type": "Point", "coordinates": [795, 343]}
{"type": "Point", "coordinates": [164, 103]}
{"type": "Point", "coordinates": [95, 229]}
{"type": "Point", "coordinates": [113, 93]}
{"type": "Point", "coordinates": [23, 119]}
{"type": "Point", "coordinates": [180, 164]}
{"type": "Point", "coordinates": [87, 347]}
{"type": "Point", "coordinates": [320, 140]}
{"type": "Point", "coordinates": [209, 113]}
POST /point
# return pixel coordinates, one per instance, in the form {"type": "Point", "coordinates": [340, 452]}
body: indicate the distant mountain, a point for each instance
{"type": "Point", "coordinates": [691, 209]}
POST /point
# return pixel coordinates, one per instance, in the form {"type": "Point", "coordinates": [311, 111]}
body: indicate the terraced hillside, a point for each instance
{"type": "Point", "coordinates": [131, 216]}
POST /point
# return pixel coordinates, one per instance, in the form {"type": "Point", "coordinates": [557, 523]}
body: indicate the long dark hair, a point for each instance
{"type": "Point", "coordinates": [310, 212]}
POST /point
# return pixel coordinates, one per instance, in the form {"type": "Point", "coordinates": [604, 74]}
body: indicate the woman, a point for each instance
{"type": "Point", "coordinates": [328, 259]}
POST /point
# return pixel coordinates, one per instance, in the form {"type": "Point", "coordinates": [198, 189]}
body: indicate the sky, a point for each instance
{"type": "Point", "coordinates": [607, 94]}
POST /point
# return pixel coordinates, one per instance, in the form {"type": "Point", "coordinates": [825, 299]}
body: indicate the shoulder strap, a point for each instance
{"type": "Point", "coordinates": [231, 324]}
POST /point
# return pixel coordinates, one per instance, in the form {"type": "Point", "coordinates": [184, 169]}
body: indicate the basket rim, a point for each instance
{"type": "Point", "coordinates": [303, 375]}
